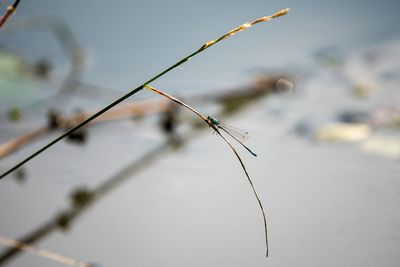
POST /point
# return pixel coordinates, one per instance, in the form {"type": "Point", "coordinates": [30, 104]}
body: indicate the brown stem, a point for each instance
{"type": "Point", "coordinates": [42, 252]}
{"type": "Point", "coordinates": [216, 129]}
{"type": "Point", "coordinates": [252, 187]}
{"type": "Point", "coordinates": [10, 10]}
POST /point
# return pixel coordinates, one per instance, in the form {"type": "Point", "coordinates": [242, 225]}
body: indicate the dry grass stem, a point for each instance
{"type": "Point", "coordinates": [245, 26]}
{"type": "Point", "coordinates": [42, 252]}
{"type": "Point", "coordinates": [209, 121]}
{"type": "Point", "coordinates": [139, 88]}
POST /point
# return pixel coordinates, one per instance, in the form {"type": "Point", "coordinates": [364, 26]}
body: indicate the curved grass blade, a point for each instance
{"type": "Point", "coordinates": [254, 191]}
{"type": "Point", "coordinates": [214, 123]}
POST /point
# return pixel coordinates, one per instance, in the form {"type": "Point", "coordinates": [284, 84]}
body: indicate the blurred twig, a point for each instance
{"type": "Point", "coordinates": [137, 109]}
{"type": "Point", "coordinates": [83, 198]}
{"type": "Point", "coordinates": [42, 252]}
{"type": "Point", "coordinates": [21, 141]}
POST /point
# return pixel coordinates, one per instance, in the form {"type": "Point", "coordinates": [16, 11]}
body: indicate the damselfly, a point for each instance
{"type": "Point", "coordinates": [238, 134]}
{"type": "Point", "coordinates": [231, 131]}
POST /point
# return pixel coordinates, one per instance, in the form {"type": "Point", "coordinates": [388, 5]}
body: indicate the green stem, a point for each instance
{"type": "Point", "coordinates": [97, 114]}
{"type": "Point", "coordinates": [134, 91]}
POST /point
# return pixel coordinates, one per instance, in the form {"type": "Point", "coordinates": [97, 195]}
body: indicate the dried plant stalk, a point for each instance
{"type": "Point", "coordinates": [209, 121]}
{"type": "Point", "coordinates": [42, 252]}
{"type": "Point", "coordinates": [141, 87]}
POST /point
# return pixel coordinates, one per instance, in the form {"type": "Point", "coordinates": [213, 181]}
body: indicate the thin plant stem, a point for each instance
{"type": "Point", "coordinates": [10, 10]}
{"type": "Point", "coordinates": [140, 87]}
{"type": "Point", "coordinates": [42, 252]}
{"type": "Point", "coordinates": [216, 129]}
{"type": "Point", "coordinates": [254, 191]}
{"type": "Point", "coordinates": [71, 214]}
{"type": "Point", "coordinates": [176, 100]}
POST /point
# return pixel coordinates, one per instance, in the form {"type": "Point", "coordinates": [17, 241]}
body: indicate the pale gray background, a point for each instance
{"type": "Point", "coordinates": [328, 204]}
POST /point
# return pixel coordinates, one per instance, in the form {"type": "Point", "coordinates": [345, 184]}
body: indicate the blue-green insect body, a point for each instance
{"type": "Point", "coordinates": [232, 132]}
{"type": "Point", "coordinates": [213, 121]}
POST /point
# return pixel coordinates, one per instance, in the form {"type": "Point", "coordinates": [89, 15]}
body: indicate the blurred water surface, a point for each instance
{"type": "Point", "coordinates": [328, 203]}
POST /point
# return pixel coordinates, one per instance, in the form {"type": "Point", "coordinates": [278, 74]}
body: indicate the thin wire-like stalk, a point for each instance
{"type": "Point", "coordinates": [176, 100]}
{"type": "Point", "coordinates": [216, 129]}
{"type": "Point", "coordinates": [140, 87]}
{"type": "Point", "coordinates": [42, 252]}
{"type": "Point", "coordinates": [10, 10]}
{"type": "Point", "coordinates": [254, 191]}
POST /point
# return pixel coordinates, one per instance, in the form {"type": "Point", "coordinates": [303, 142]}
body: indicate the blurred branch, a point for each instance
{"type": "Point", "coordinates": [42, 252]}
{"type": "Point", "coordinates": [82, 198]}
{"type": "Point", "coordinates": [19, 142]}
{"type": "Point", "coordinates": [230, 98]}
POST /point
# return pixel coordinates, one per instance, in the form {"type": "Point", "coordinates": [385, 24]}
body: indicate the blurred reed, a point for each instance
{"type": "Point", "coordinates": [83, 198]}
{"type": "Point", "coordinates": [42, 252]}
